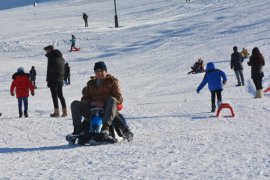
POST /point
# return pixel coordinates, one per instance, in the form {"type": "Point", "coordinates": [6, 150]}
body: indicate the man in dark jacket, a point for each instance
{"type": "Point", "coordinates": [85, 18]}
{"type": "Point", "coordinates": [55, 77]}
{"type": "Point", "coordinates": [236, 65]}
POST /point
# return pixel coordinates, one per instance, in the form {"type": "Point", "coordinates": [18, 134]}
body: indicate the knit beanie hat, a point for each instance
{"type": "Point", "coordinates": [100, 65]}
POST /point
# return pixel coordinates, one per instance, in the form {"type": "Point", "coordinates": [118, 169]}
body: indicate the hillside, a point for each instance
{"type": "Point", "coordinates": [175, 135]}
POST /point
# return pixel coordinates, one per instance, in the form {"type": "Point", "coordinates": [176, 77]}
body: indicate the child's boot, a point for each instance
{"type": "Point", "coordinates": [213, 108]}
{"type": "Point", "coordinates": [26, 114]}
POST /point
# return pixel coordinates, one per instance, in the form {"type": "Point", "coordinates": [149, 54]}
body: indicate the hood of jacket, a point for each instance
{"type": "Point", "coordinates": [210, 66]}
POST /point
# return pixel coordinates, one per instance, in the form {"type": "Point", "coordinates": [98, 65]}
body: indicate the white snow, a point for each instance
{"type": "Point", "coordinates": [175, 135]}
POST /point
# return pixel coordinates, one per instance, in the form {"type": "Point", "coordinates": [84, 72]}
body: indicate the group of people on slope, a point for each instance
{"type": "Point", "coordinates": [217, 78]}
{"type": "Point", "coordinates": [102, 91]}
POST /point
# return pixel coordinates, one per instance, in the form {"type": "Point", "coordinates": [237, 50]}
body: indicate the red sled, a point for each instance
{"type": "Point", "coordinates": [76, 49]}
{"type": "Point", "coordinates": [267, 90]}
{"type": "Point", "coordinates": [225, 106]}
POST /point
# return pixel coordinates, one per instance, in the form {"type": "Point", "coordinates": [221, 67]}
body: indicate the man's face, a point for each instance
{"type": "Point", "coordinates": [100, 74]}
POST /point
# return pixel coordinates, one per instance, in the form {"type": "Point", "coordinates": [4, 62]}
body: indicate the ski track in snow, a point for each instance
{"type": "Point", "coordinates": [175, 135]}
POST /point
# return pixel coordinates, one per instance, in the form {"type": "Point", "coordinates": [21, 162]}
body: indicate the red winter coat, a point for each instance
{"type": "Point", "coordinates": [22, 84]}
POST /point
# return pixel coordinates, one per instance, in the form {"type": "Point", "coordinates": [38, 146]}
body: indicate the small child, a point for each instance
{"type": "Point", "coordinates": [22, 84]}
{"type": "Point", "coordinates": [214, 79]}
{"type": "Point", "coordinates": [73, 43]}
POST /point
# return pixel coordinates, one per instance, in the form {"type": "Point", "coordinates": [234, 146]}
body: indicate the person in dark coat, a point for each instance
{"type": "Point", "coordinates": [236, 65]}
{"type": "Point", "coordinates": [257, 62]}
{"type": "Point", "coordinates": [215, 79]}
{"type": "Point", "coordinates": [32, 75]}
{"type": "Point", "coordinates": [55, 77]}
{"type": "Point", "coordinates": [22, 84]}
{"type": "Point", "coordinates": [67, 74]}
{"type": "Point", "coordinates": [85, 18]}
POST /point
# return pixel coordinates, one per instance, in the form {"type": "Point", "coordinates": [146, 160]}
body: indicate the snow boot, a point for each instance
{"type": "Point", "coordinates": [213, 108]}
{"type": "Point", "coordinates": [20, 115]}
{"type": "Point", "coordinates": [243, 84]}
{"type": "Point", "coordinates": [56, 113]}
{"type": "Point", "coordinates": [25, 114]}
{"type": "Point", "coordinates": [64, 112]}
{"type": "Point", "coordinates": [128, 135]}
{"type": "Point", "coordinates": [239, 84]}
{"type": "Point", "coordinates": [258, 94]}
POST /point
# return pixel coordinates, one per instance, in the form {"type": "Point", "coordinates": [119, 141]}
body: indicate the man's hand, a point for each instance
{"type": "Point", "coordinates": [12, 94]}
{"type": "Point", "coordinates": [32, 93]}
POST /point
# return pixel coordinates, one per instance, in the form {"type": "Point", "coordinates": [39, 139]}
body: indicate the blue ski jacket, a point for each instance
{"type": "Point", "coordinates": [213, 77]}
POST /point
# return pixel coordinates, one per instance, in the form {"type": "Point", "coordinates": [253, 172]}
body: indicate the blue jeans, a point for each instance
{"type": "Point", "coordinates": [25, 103]}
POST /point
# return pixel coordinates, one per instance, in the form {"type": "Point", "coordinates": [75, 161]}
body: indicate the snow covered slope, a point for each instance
{"type": "Point", "coordinates": [175, 135]}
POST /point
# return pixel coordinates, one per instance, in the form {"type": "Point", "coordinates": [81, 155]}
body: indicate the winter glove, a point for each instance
{"type": "Point", "coordinates": [32, 93]}
{"type": "Point", "coordinates": [198, 91]}
{"type": "Point", "coordinates": [12, 94]}
{"type": "Point", "coordinates": [224, 82]}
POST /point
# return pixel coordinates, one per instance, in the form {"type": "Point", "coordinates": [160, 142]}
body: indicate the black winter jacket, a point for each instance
{"type": "Point", "coordinates": [256, 66]}
{"type": "Point", "coordinates": [236, 61]}
{"type": "Point", "coordinates": [55, 67]}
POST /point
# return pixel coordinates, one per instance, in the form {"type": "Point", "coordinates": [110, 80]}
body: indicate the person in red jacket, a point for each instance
{"type": "Point", "coordinates": [22, 84]}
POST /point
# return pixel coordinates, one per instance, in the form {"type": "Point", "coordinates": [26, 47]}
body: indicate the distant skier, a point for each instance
{"type": "Point", "coordinates": [198, 67]}
{"type": "Point", "coordinates": [22, 84]}
{"type": "Point", "coordinates": [55, 78]}
{"type": "Point", "coordinates": [67, 74]}
{"type": "Point", "coordinates": [187, 0]}
{"type": "Point", "coordinates": [73, 43]}
{"type": "Point", "coordinates": [32, 75]}
{"type": "Point", "coordinates": [215, 78]}
{"type": "Point", "coordinates": [236, 65]}
{"type": "Point", "coordinates": [245, 53]}
{"type": "Point", "coordinates": [85, 18]}
{"type": "Point", "coordinates": [257, 62]}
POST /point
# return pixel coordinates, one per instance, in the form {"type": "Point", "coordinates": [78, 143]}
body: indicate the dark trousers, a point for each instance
{"type": "Point", "coordinates": [57, 92]}
{"type": "Point", "coordinates": [111, 115]}
{"type": "Point", "coordinates": [86, 22]}
{"type": "Point", "coordinates": [72, 46]}
{"type": "Point", "coordinates": [67, 80]}
{"type": "Point", "coordinates": [213, 97]}
{"type": "Point", "coordinates": [23, 100]}
{"type": "Point", "coordinates": [258, 82]}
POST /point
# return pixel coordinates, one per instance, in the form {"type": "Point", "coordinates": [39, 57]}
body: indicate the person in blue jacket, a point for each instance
{"type": "Point", "coordinates": [215, 79]}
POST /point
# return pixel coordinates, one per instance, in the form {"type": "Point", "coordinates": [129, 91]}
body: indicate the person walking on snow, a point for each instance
{"type": "Point", "coordinates": [102, 91]}
{"type": "Point", "coordinates": [85, 18]}
{"type": "Point", "coordinates": [236, 65]}
{"type": "Point", "coordinates": [215, 79]}
{"type": "Point", "coordinates": [257, 62]}
{"type": "Point", "coordinates": [22, 84]}
{"type": "Point", "coordinates": [32, 75]}
{"type": "Point", "coordinates": [55, 78]}
{"type": "Point", "coordinates": [73, 43]}
{"type": "Point", "coordinates": [67, 74]}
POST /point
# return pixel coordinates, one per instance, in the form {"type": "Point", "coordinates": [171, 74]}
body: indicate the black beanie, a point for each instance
{"type": "Point", "coordinates": [235, 48]}
{"type": "Point", "coordinates": [100, 65]}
